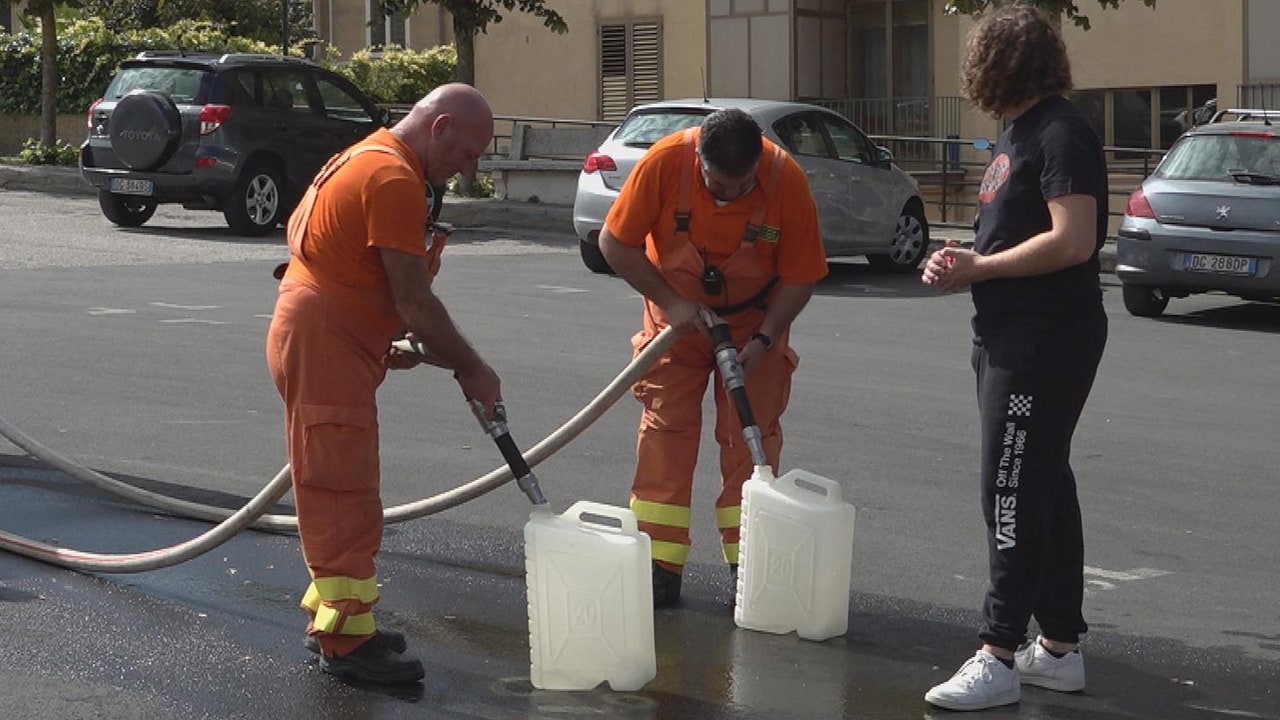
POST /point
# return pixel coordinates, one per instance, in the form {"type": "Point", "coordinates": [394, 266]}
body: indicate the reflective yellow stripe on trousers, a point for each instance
{"type": "Point", "coordinates": [672, 516]}
{"type": "Point", "coordinates": [729, 517]}
{"type": "Point", "coordinates": [335, 590]}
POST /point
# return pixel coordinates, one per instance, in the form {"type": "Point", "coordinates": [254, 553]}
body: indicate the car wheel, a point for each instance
{"type": "Point", "coordinates": [256, 204]}
{"type": "Point", "coordinates": [126, 210]}
{"type": "Point", "coordinates": [910, 243]}
{"type": "Point", "coordinates": [1144, 300]}
{"type": "Point", "coordinates": [593, 258]}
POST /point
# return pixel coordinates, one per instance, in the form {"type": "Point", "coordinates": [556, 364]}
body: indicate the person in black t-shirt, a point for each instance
{"type": "Point", "coordinates": [1039, 331]}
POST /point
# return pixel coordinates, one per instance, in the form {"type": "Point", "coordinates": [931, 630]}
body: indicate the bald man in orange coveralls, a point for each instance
{"type": "Point", "coordinates": [360, 272]}
{"type": "Point", "coordinates": [722, 202]}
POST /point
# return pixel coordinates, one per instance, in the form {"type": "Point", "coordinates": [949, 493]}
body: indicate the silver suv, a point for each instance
{"type": "Point", "coordinates": [243, 134]}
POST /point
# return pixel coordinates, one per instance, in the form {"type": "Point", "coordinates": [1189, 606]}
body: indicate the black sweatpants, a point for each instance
{"type": "Point", "coordinates": [1033, 380]}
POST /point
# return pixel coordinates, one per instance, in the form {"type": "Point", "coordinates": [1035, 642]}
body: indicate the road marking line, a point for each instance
{"type": "Point", "coordinates": [1124, 576]}
{"type": "Point", "coordinates": [189, 321]}
{"type": "Point", "coordinates": [110, 311]}
{"type": "Point", "coordinates": [173, 306]}
{"type": "Point", "coordinates": [561, 289]}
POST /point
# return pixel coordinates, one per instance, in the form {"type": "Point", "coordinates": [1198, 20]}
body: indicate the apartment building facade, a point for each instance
{"type": "Point", "coordinates": [891, 65]}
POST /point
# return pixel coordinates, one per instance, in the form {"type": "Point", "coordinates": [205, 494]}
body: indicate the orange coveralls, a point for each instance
{"type": "Point", "coordinates": [333, 322]}
{"type": "Point", "coordinates": [770, 234]}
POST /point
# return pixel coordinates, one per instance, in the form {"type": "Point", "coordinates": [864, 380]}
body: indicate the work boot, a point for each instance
{"type": "Point", "coordinates": [390, 639]}
{"type": "Point", "coordinates": [374, 662]}
{"type": "Point", "coordinates": [666, 587]}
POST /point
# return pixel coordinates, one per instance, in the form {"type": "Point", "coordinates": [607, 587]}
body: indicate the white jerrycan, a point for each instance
{"type": "Point", "coordinates": [795, 555]}
{"type": "Point", "coordinates": [590, 586]}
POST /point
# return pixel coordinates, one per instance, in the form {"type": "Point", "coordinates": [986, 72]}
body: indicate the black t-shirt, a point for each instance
{"type": "Point", "coordinates": [1047, 152]}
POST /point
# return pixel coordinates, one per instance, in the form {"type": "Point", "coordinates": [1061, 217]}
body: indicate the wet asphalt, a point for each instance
{"type": "Point", "coordinates": [219, 637]}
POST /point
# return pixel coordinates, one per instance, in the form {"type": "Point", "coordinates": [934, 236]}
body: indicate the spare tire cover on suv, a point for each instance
{"type": "Point", "coordinates": [145, 128]}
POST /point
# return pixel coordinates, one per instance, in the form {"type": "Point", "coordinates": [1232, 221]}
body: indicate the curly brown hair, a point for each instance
{"type": "Point", "coordinates": [1014, 55]}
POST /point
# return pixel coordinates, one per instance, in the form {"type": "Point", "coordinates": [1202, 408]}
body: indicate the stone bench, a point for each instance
{"type": "Point", "coordinates": [543, 162]}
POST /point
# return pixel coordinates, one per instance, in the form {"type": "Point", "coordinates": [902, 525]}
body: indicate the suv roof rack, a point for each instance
{"type": "Point", "coordinates": [235, 57]}
{"type": "Point", "coordinates": [168, 53]}
{"type": "Point", "coordinates": [1244, 115]}
{"type": "Point", "coordinates": [219, 58]}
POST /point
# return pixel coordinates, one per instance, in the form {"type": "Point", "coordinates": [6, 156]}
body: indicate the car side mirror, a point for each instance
{"type": "Point", "coordinates": [884, 156]}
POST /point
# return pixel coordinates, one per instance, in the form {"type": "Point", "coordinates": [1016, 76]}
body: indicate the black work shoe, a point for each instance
{"type": "Point", "coordinates": [666, 587]}
{"type": "Point", "coordinates": [374, 662]}
{"type": "Point", "coordinates": [390, 639]}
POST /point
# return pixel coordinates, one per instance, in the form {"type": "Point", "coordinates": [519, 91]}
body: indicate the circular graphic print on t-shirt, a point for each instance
{"type": "Point", "coordinates": [996, 176]}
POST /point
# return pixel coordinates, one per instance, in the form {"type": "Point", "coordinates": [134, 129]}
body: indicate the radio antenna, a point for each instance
{"type": "Point", "coordinates": [703, 71]}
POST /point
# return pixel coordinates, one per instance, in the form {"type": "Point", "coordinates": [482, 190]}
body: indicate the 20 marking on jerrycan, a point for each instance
{"type": "Point", "coordinates": [795, 555]}
{"type": "Point", "coordinates": [590, 586]}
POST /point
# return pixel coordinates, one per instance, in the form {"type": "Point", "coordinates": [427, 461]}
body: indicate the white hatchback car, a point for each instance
{"type": "Point", "coordinates": [866, 204]}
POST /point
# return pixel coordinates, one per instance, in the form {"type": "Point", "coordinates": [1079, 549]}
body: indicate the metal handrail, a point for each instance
{"type": "Point", "coordinates": [504, 126]}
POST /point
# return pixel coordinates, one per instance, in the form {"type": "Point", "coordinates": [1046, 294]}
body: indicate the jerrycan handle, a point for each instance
{"type": "Point", "coordinates": [598, 516]}
{"type": "Point", "coordinates": [807, 481]}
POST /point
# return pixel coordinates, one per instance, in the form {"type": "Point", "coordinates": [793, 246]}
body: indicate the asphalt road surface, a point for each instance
{"type": "Point", "coordinates": [140, 354]}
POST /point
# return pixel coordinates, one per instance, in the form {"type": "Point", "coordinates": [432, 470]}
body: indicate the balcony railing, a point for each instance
{"type": "Point", "coordinates": [937, 117]}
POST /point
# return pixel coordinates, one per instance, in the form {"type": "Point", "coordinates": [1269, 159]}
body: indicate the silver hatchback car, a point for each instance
{"type": "Point", "coordinates": [866, 204]}
{"type": "Point", "coordinates": [1207, 220]}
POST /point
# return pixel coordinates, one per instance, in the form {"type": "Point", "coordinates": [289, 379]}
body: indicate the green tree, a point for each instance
{"type": "Point", "coordinates": [472, 17]}
{"type": "Point", "coordinates": [1057, 7]}
{"type": "Point", "coordinates": [47, 12]}
{"type": "Point", "coordinates": [255, 19]}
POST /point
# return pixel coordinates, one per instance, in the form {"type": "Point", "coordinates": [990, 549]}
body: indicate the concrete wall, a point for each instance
{"type": "Point", "coordinates": [1263, 64]}
{"type": "Point", "coordinates": [525, 69]}
{"type": "Point", "coordinates": [749, 49]}
{"type": "Point", "coordinates": [345, 23]}
{"type": "Point", "coordinates": [1178, 42]}
{"type": "Point", "coordinates": [15, 129]}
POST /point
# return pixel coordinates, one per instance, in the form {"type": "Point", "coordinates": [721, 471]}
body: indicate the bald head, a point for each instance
{"type": "Point", "coordinates": [449, 130]}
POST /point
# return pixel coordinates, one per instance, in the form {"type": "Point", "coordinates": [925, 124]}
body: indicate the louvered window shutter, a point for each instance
{"type": "Point", "coordinates": [630, 67]}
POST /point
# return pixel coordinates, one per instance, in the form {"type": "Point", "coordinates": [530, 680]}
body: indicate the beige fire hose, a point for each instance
{"type": "Point", "coordinates": [253, 514]}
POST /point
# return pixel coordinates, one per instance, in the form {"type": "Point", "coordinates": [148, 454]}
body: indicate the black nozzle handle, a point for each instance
{"type": "Point", "coordinates": [497, 429]}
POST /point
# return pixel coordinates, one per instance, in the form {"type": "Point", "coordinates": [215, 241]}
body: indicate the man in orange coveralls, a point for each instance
{"type": "Point", "coordinates": [360, 272]}
{"type": "Point", "coordinates": [715, 217]}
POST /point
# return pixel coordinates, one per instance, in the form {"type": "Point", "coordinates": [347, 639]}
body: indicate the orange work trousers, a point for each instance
{"type": "Point", "coordinates": [328, 369]}
{"type": "Point", "coordinates": [671, 429]}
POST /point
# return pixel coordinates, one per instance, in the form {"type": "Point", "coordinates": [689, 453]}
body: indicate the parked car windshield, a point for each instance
{"type": "Point", "coordinates": [1220, 157]}
{"type": "Point", "coordinates": [646, 128]}
{"type": "Point", "coordinates": [184, 85]}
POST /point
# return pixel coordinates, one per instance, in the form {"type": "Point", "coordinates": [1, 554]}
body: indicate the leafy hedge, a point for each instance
{"type": "Point", "coordinates": [395, 75]}
{"type": "Point", "coordinates": [88, 55]}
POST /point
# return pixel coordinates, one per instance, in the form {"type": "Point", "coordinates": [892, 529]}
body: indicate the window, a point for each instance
{"type": "Point", "coordinates": [850, 144]}
{"type": "Point", "coordinates": [285, 90]}
{"type": "Point", "coordinates": [630, 67]}
{"type": "Point", "coordinates": [387, 30]}
{"type": "Point", "coordinates": [1131, 118]}
{"type": "Point", "coordinates": [184, 85]}
{"type": "Point", "coordinates": [802, 135]}
{"type": "Point", "coordinates": [339, 104]}
{"type": "Point", "coordinates": [241, 88]}
{"type": "Point", "coordinates": [643, 129]}
{"type": "Point", "coordinates": [1214, 157]}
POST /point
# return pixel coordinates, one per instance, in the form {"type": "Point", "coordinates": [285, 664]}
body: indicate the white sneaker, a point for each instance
{"type": "Point", "coordinates": [982, 682]}
{"type": "Point", "coordinates": [1037, 667]}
